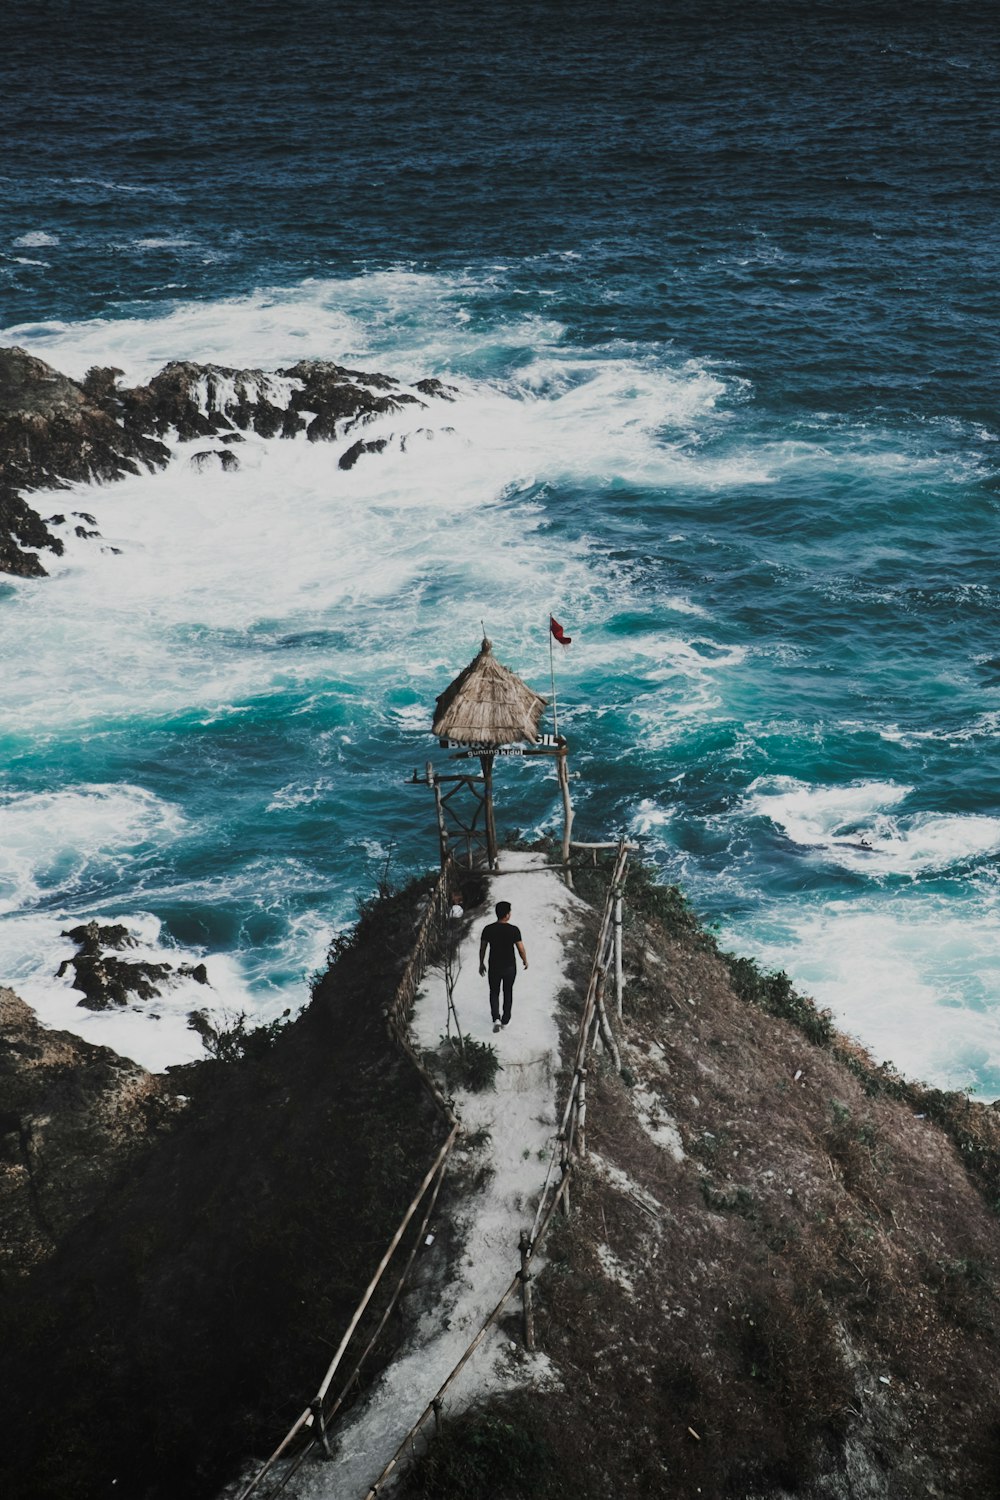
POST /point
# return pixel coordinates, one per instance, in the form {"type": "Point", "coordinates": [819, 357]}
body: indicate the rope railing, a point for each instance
{"type": "Point", "coordinates": [569, 1146]}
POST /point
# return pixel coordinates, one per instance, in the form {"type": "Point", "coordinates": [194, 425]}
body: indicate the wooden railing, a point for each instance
{"type": "Point", "coordinates": [568, 1148]}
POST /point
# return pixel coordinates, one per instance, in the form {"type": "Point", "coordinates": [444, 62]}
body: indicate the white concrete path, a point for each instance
{"type": "Point", "coordinates": [521, 1119]}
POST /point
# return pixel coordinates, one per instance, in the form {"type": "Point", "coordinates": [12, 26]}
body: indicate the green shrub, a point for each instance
{"type": "Point", "coordinates": [233, 1039]}
{"type": "Point", "coordinates": [774, 993]}
{"type": "Point", "coordinates": [479, 1457]}
{"type": "Point", "coordinates": [471, 1065]}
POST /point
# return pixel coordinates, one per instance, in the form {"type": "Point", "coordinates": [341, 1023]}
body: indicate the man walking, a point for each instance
{"type": "Point", "coordinates": [503, 940]}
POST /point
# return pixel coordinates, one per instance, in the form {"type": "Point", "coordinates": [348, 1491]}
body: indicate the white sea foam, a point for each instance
{"type": "Point", "coordinates": [162, 242]}
{"type": "Point", "coordinates": [55, 840]}
{"type": "Point", "coordinates": [833, 819]}
{"type": "Point", "coordinates": [984, 726]}
{"type": "Point", "coordinates": [814, 815]}
{"type": "Point", "coordinates": [915, 978]}
{"type": "Point", "coordinates": [152, 1032]}
{"type": "Point", "coordinates": [36, 239]}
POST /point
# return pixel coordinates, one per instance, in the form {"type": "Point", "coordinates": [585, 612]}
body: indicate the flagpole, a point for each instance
{"type": "Point", "coordinates": [552, 674]}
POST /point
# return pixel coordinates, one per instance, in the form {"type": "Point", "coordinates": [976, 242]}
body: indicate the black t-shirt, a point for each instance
{"type": "Point", "coordinates": [503, 938]}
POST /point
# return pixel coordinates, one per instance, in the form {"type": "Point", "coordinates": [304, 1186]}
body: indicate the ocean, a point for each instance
{"type": "Point", "coordinates": [717, 287]}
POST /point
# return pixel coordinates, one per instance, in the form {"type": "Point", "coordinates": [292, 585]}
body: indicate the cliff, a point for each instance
{"type": "Point", "coordinates": [73, 1117]}
{"type": "Point", "coordinates": [183, 1302]}
{"type": "Point", "coordinates": [781, 1271]}
{"type": "Point", "coordinates": [779, 1276]}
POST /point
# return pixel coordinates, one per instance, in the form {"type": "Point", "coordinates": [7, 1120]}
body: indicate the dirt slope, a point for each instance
{"type": "Point", "coordinates": [781, 1272]}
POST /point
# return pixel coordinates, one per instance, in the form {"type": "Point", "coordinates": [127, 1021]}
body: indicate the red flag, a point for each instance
{"type": "Point", "coordinates": [558, 632]}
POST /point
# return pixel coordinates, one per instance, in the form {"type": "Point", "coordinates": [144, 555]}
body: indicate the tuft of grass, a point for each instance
{"type": "Point", "coordinates": [232, 1039]}
{"type": "Point", "coordinates": [645, 897]}
{"type": "Point", "coordinates": [480, 1456]}
{"type": "Point", "coordinates": [473, 1066]}
{"type": "Point", "coordinates": [774, 994]}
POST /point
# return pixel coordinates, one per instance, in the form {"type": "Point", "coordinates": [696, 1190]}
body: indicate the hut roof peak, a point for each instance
{"type": "Point", "coordinates": [488, 704]}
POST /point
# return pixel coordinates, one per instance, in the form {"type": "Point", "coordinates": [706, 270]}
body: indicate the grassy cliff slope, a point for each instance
{"type": "Point", "coordinates": [781, 1272]}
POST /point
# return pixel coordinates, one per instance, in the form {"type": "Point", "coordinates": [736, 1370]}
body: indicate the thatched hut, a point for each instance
{"type": "Point", "coordinates": [488, 705]}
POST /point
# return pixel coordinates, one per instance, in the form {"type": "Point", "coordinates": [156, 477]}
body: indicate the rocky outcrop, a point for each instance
{"type": "Point", "coordinates": [358, 449]}
{"type": "Point", "coordinates": [343, 399]}
{"type": "Point", "coordinates": [72, 1116]}
{"type": "Point", "coordinates": [54, 430]}
{"type": "Point", "coordinates": [211, 458]}
{"type": "Point", "coordinates": [107, 981]}
{"type": "Point", "coordinates": [199, 401]}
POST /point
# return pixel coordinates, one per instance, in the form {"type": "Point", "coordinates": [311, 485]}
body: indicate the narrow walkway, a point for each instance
{"type": "Point", "coordinates": [521, 1120]}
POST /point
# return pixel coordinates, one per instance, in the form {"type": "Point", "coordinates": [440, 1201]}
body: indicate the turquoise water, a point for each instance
{"type": "Point", "coordinates": [716, 300]}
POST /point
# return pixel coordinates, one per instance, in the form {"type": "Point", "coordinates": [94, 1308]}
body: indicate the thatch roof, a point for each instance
{"type": "Point", "coordinates": [488, 705]}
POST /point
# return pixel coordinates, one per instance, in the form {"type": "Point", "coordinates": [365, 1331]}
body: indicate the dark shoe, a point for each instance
{"type": "Point", "coordinates": [496, 1025]}
{"type": "Point", "coordinates": [504, 1023]}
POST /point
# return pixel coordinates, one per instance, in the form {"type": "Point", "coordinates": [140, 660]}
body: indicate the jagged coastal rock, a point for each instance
{"type": "Point", "coordinates": [72, 1116]}
{"type": "Point", "coordinates": [53, 431]}
{"type": "Point", "coordinates": [56, 431]}
{"type": "Point", "coordinates": [105, 980]}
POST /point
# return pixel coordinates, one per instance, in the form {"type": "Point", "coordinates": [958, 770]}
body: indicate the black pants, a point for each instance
{"type": "Point", "coordinates": [506, 978]}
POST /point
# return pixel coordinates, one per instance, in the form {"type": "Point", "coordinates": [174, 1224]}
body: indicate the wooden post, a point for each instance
{"type": "Point", "coordinates": [581, 1114]}
{"type": "Point", "coordinates": [563, 774]}
{"type": "Point", "coordinates": [529, 1311]}
{"type": "Point", "coordinates": [486, 761]}
{"type": "Point", "coordinates": [442, 830]}
{"type": "Point", "coordinates": [619, 974]}
{"type": "Point", "coordinates": [607, 1035]}
{"type": "Point", "coordinates": [319, 1427]}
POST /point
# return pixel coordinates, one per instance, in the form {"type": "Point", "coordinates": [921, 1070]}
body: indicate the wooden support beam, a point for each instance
{"type": "Point", "coordinates": [619, 970]}
{"type": "Point", "coordinates": [617, 844]}
{"type": "Point", "coordinates": [486, 761]}
{"type": "Point", "coordinates": [526, 1295]}
{"type": "Point", "coordinates": [563, 775]}
{"type": "Point", "coordinates": [439, 808]}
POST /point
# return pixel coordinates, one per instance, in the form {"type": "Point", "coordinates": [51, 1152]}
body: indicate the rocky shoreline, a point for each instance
{"type": "Point", "coordinates": [55, 431]}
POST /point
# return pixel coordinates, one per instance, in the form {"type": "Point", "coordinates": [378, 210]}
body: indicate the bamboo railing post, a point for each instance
{"type": "Point", "coordinates": [619, 972]}
{"type": "Point", "coordinates": [581, 1115]}
{"type": "Point", "coordinates": [607, 1035]}
{"type": "Point", "coordinates": [319, 1427]}
{"type": "Point", "coordinates": [486, 761]}
{"type": "Point", "coordinates": [526, 1296]}
{"type": "Point", "coordinates": [563, 775]}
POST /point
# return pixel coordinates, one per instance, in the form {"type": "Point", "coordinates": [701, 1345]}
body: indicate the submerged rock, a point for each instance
{"type": "Point", "coordinates": [210, 457]}
{"type": "Point", "coordinates": [355, 451]}
{"type": "Point", "coordinates": [107, 981]}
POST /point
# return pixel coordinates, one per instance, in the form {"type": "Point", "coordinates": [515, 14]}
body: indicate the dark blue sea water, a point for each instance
{"type": "Point", "coordinates": [717, 284]}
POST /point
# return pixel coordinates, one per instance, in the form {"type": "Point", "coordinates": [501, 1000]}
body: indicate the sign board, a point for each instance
{"type": "Point", "coordinates": [548, 740]}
